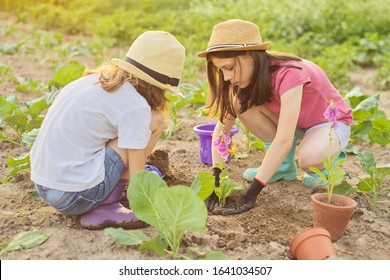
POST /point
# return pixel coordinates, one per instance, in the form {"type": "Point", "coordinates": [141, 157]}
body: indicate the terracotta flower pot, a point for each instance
{"type": "Point", "coordinates": [312, 244]}
{"type": "Point", "coordinates": [335, 216]}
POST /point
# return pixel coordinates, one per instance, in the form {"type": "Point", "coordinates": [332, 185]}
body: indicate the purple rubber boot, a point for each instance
{"type": "Point", "coordinates": [111, 213]}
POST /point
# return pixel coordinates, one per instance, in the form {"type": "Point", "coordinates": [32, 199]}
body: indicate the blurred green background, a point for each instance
{"type": "Point", "coordinates": [339, 35]}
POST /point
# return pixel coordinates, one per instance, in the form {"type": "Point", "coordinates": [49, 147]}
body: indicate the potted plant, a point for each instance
{"type": "Point", "coordinates": [330, 210]}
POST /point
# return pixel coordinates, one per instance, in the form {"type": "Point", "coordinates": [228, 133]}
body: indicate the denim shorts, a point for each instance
{"type": "Point", "coordinates": [343, 132]}
{"type": "Point", "coordinates": [76, 203]}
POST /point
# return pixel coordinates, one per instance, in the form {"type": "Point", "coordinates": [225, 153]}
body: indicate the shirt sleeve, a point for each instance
{"type": "Point", "coordinates": [289, 77]}
{"type": "Point", "coordinates": [133, 129]}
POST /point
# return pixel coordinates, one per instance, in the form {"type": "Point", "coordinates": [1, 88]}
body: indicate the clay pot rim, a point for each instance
{"type": "Point", "coordinates": [352, 204]}
{"type": "Point", "coordinates": [303, 235]}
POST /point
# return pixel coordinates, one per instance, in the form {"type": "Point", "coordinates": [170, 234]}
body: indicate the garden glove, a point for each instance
{"type": "Point", "coordinates": [213, 201]}
{"type": "Point", "coordinates": [245, 202]}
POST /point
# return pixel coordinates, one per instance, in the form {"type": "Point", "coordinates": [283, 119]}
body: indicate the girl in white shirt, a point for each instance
{"type": "Point", "coordinates": [101, 129]}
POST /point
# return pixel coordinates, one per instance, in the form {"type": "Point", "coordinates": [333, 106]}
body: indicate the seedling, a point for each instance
{"type": "Point", "coordinates": [204, 185]}
{"type": "Point", "coordinates": [371, 185]}
{"type": "Point", "coordinates": [173, 211]}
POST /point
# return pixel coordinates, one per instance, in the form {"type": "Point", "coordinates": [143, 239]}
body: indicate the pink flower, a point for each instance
{"type": "Point", "coordinates": [221, 143]}
{"type": "Point", "coordinates": [223, 151]}
{"type": "Point", "coordinates": [226, 138]}
{"type": "Point", "coordinates": [331, 113]}
{"type": "Point", "coordinates": [217, 142]}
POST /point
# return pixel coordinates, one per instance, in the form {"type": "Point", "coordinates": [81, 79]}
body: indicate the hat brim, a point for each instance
{"type": "Point", "coordinates": [260, 47]}
{"type": "Point", "coordinates": [122, 64]}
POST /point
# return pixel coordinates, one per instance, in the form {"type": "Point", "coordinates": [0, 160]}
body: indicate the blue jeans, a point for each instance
{"type": "Point", "coordinates": [76, 203]}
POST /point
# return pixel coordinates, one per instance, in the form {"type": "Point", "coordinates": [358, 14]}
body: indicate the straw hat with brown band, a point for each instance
{"type": "Point", "coordinates": [235, 35]}
{"type": "Point", "coordinates": [157, 58]}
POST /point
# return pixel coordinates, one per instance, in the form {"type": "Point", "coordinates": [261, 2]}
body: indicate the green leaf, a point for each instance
{"type": "Point", "coordinates": [369, 104]}
{"type": "Point", "coordinates": [380, 132]}
{"type": "Point", "coordinates": [361, 131]}
{"type": "Point", "coordinates": [215, 256]}
{"type": "Point", "coordinates": [25, 240]}
{"type": "Point", "coordinates": [180, 209]}
{"type": "Point", "coordinates": [203, 184]}
{"type": "Point", "coordinates": [352, 149]}
{"type": "Point", "coordinates": [366, 185]}
{"type": "Point", "coordinates": [141, 191]}
{"type": "Point", "coordinates": [257, 144]}
{"type": "Point", "coordinates": [64, 74]}
{"type": "Point", "coordinates": [12, 115]}
{"type": "Point", "coordinates": [344, 188]}
{"type": "Point", "coordinates": [156, 244]}
{"type": "Point", "coordinates": [367, 160]}
{"type": "Point", "coordinates": [319, 173]}
{"type": "Point", "coordinates": [17, 164]}
{"type": "Point", "coordinates": [133, 237]}
{"type": "Point", "coordinates": [355, 96]}
{"type": "Point", "coordinates": [230, 187]}
{"type": "Point", "coordinates": [28, 139]}
{"type": "Point", "coordinates": [36, 106]}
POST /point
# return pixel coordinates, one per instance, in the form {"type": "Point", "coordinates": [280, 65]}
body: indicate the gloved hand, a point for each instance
{"type": "Point", "coordinates": [153, 169]}
{"type": "Point", "coordinates": [213, 201]}
{"type": "Point", "coordinates": [244, 203]}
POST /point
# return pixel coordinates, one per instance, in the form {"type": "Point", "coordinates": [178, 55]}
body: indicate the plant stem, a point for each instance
{"type": "Point", "coordinates": [329, 186]}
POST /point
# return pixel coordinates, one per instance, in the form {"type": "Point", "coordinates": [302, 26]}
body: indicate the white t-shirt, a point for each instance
{"type": "Point", "coordinates": [69, 151]}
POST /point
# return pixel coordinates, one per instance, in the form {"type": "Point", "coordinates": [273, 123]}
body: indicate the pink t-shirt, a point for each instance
{"type": "Point", "coordinates": [317, 93]}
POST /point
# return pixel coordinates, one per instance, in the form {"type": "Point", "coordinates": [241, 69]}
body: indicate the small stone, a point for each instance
{"type": "Point", "coordinates": [231, 244]}
{"type": "Point", "coordinates": [221, 243]}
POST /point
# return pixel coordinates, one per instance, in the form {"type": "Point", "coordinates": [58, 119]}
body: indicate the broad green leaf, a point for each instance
{"type": "Point", "coordinates": [25, 240]}
{"type": "Point", "coordinates": [141, 190]}
{"type": "Point", "coordinates": [361, 131]}
{"type": "Point", "coordinates": [203, 185]}
{"type": "Point", "coordinates": [368, 104]}
{"type": "Point", "coordinates": [29, 138]}
{"type": "Point", "coordinates": [380, 132]}
{"type": "Point", "coordinates": [382, 172]}
{"type": "Point", "coordinates": [366, 185]}
{"type": "Point", "coordinates": [156, 244]}
{"type": "Point", "coordinates": [64, 74]}
{"type": "Point", "coordinates": [366, 160]}
{"type": "Point", "coordinates": [344, 188]}
{"type": "Point", "coordinates": [355, 96]}
{"type": "Point", "coordinates": [133, 237]}
{"type": "Point", "coordinates": [366, 108]}
{"type": "Point", "coordinates": [36, 106]}
{"type": "Point", "coordinates": [180, 210]}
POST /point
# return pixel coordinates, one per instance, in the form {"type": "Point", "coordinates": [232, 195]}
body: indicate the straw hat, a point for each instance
{"type": "Point", "coordinates": [235, 35]}
{"type": "Point", "coordinates": [157, 58]}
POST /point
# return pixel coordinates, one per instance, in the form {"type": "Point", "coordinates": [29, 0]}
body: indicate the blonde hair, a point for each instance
{"type": "Point", "coordinates": [112, 77]}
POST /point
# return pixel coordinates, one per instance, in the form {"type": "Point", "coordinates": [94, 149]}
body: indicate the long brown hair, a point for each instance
{"type": "Point", "coordinates": [112, 77]}
{"type": "Point", "coordinates": [257, 93]}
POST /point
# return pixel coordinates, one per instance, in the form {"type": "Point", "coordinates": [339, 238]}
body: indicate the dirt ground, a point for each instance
{"type": "Point", "coordinates": [282, 210]}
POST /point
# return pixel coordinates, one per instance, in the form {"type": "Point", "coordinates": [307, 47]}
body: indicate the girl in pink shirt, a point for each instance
{"type": "Point", "coordinates": [278, 97]}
